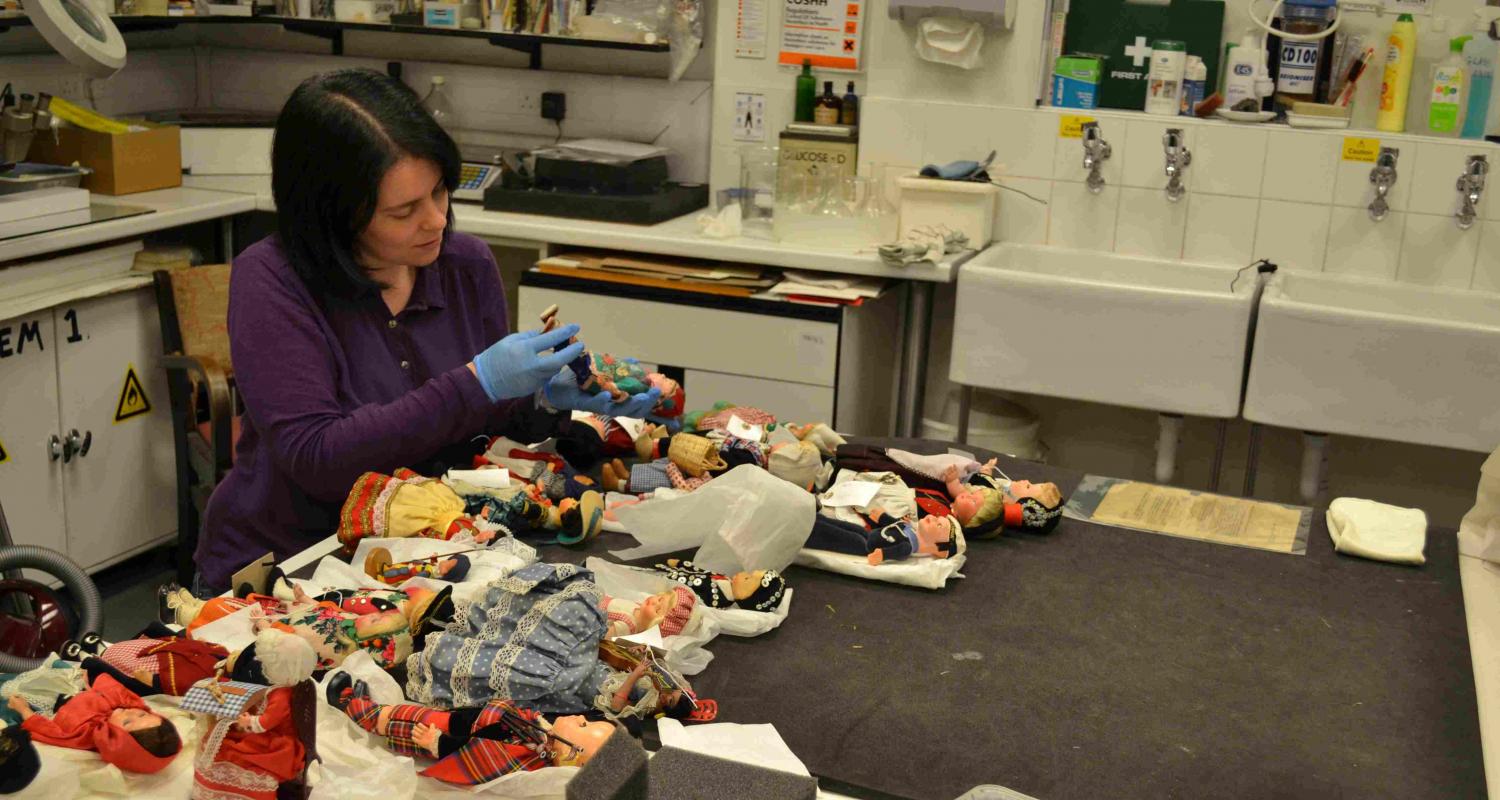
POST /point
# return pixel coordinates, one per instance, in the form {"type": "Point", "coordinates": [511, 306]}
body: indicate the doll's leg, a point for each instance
{"type": "Point", "coordinates": [94, 667]}
{"type": "Point", "coordinates": [155, 630]}
{"type": "Point", "coordinates": [837, 535]}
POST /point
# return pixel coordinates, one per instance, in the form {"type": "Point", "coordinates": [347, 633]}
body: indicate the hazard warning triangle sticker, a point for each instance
{"type": "Point", "coordinates": [133, 402]}
{"type": "Point", "coordinates": [4, 456]}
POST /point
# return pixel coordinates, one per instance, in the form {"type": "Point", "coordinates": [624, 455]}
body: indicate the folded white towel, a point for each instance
{"type": "Point", "coordinates": [1376, 530]}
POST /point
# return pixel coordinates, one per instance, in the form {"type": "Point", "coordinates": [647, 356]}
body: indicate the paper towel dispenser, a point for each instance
{"type": "Point", "coordinates": [990, 13]}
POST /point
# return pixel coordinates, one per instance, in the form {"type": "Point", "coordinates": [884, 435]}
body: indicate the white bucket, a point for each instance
{"type": "Point", "coordinates": [995, 423]}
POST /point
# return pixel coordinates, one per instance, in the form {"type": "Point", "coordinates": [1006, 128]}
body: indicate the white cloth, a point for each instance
{"type": "Point", "coordinates": [1380, 531]}
{"type": "Point", "coordinates": [1479, 533]}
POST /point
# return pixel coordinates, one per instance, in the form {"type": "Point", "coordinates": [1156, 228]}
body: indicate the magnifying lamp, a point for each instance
{"type": "Point", "coordinates": [87, 38]}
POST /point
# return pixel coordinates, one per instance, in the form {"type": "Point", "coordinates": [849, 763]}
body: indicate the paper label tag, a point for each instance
{"type": "Point", "coordinates": [483, 478]}
{"type": "Point", "coordinates": [632, 427]}
{"type": "Point", "coordinates": [744, 430]}
{"type": "Point", "coordinates": [1358, 148]}
{"type": "Point", "coordinates": [1070, 126]}
{"type": "Point", "coordinates": [857, 494]}
{"type": "Point", "coordinates": [650, 637]}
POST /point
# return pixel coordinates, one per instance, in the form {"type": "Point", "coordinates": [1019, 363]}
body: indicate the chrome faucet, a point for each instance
{"type": "Point", "coordinates": [1383, 177]}
{"type": "Point", "coordinates": [1178, 159]}
{"type": "Point", "coordinates": [1470, 187]}
{"type": "Point", "coordinates": [1095, 152]}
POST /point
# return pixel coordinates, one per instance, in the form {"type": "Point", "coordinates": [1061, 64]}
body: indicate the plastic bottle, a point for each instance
{"type": "Point", "coordinates": [1164, 81]}
{"type": "Point", "coordinates": [807, 93]}
{"type": "Point", "coordinates": [1194, 85]}
{"type": "Point", "coordinates": [1481, 55]}
{"type": "Point", "coordinates": [439, 106]}
{"type": "Point", "coordinates": [1445, 101]}
{"type": "Point", "coordinates": [1244, 75]}
{"type": "Point", "coordinates": [1395, 82]}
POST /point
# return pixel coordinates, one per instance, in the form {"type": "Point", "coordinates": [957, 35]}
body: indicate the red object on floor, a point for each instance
{"type": "Point", "coordinates": [45, 629]}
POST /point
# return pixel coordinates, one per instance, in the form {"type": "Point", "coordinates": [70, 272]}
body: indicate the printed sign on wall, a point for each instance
{"type": "Point", "coordinates": [826, 32]}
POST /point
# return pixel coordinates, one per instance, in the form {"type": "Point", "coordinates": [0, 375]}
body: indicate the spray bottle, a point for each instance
{"type": "Point", "coordinates": [1481, 54]}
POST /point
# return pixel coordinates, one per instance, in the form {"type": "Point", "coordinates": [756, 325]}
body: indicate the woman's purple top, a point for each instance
{"type": "Point", "coordinates": [334, 387]}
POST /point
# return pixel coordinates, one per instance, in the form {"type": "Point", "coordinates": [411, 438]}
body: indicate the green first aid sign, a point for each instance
{"type": "Point", "coordinates": [1121, 32]}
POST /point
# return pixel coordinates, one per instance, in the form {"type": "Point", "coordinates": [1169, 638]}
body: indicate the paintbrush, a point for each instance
{"type": "Point", "coordinates": [1355, 71]}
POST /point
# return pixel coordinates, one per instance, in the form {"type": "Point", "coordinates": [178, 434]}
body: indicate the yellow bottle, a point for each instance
{"type": "Point", "coordinates": [1395, 85]}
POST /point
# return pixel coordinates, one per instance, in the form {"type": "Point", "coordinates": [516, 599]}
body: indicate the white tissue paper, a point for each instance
{"type": "Point", "coordinates": [954, 42]}
{"type": "Point", "coordinates": [685, 651]}
{"type": "Point", "coordinates": [1379, 531]}
{"type": "Point", "coordinates": [741, 521]}
{"type": "Point", "coordinates": [726, 224]}
{"type": "Point", "coordinates": [234, 631]}
{"type": "Point", "coordinates": [760, 745]}
{"type": "Point", "coordinates": [1479, 532]}
{"type": "Point", "coordinates": [922, 571]}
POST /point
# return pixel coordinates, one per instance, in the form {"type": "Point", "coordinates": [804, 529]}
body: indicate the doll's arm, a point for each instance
{"type": "Point", "coordinates": [19, 705]}
{"type": "Point", "coordinates": [621, 697]}
{"type": "Point", "coordinates": [952, 483]}
{"type": "Point", "coordinates": [278, 710]}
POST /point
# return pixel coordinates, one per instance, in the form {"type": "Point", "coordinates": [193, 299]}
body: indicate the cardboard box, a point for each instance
{"type": "Point", "coordinates": [1075, 81]}
{"type": "Point", "coordinates": [123, 163]}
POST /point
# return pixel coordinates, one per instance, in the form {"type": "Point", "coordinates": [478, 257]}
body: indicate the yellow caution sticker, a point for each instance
{"type": "Point", "coordinates": [133, 402]}
{"type": "Point", "coordinates": [1070, 126]}
{"type": "Point", "coordinates": [1357, 148]}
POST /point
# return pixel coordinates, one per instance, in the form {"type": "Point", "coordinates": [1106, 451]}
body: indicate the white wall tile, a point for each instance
{"type": "Point", "coordinates": [1436, 175]}
{"type": "Point", "coordinates": [1145, 160]}
{"type": "Point", "coordinates": [1300, 167]}
{"type": "Point", "coordinates": [1435, 252]}
{"type": "Point", "coordinates": [1294, 235]}
{"type": "Point", "coordinates": [1150, 224]}
{"type": "Point", "coordinates": [1220, 230]}
{"type": "Point", "coordinates": [1025, 142]}
{"type": "Point", "coordinates": [1078, 218]}
{"type": "Point", "coordinates": [1067, 161]}
{"type": "Point", "coordinates": [1352, 188]}
{"type": "Point", "coordinates": [890, 131]}
{"type": "Point", "coordinates": [1018, 219]}
{"type": "Point", "coordinates": [954, 132]}
{"type": "Point", "coordinates": [1358, 245]}
{"type": "Point", "coordinates": [1487, 269]}
{"type": "Point", "coordinates": [1227, 159]}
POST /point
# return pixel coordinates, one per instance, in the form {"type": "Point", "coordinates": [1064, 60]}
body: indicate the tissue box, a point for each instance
{"type": "Point", "coordinates": [123, 163]}
{"type": "Point", "coordinates": [1075, 81]}
{"type": "Point", "coordinates": [450, 14]}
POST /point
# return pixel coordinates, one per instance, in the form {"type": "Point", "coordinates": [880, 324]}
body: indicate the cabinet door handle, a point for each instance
{"type": "Point", "coordinates": [70, 445]}
{"type": "Point", "coordinates": [88, 442]}
{"type": "Point", "coordinates": [54, 447]}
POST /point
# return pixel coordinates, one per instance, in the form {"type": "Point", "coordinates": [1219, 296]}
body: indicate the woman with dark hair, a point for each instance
{"type": "Point", "coordinates": [366, 334]}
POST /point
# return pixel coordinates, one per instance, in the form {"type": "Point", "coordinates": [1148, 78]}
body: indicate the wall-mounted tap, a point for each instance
{"type": "Point", "coordinates": [1470, 187]}
{"type": "Point", "coordinates": [1095, 152]}
{"type": "Point", "coordinates": [1383, 177]}
{"type": "Point", "coordinates": [1178, 159]}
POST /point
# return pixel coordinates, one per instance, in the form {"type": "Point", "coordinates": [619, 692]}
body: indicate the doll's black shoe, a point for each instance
{"type": "Point", "coordinates": [71, 651]}
{"type": "Point", "coordinates": [166, 613]}
{"type": "Point", "coordinates": [361, 689]}
{"type": "Point", "coordinates": [91, 643]}
{"type": "Point", "coordinates": [337, 691]}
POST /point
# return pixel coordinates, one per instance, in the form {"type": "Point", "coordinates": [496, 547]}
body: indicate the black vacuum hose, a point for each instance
{"type": "Point", "coordinates": [84, 593]}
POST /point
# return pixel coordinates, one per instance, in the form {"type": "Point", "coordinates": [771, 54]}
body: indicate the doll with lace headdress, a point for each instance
{"type": "Point", "coordinates": [985, 503]}
{"type": "Point", "coordinates": [756, 590]}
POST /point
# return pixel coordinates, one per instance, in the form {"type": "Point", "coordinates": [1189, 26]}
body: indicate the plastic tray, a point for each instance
{"type": "Point", "coordinates": [27, 176]}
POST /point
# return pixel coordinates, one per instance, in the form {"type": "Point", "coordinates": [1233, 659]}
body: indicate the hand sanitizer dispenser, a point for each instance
{"type": "Point", "coordinates": [989, 13]}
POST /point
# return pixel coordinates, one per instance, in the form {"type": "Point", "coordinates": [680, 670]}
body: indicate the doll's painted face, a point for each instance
{"type": "Point", "coordinates": [133, 719]}
{"type": "Point", "coordinates": [582, 740]}
{"type": "Point", "coordinates": [933, 530]}
{"type": "Point", "coordinates": [672, 397]}
{"type": "Point", "coordinates": [966, 505]}
{"type": "Point", "coordinates": [1045, 493]}
{"type": "Point", "coordinates": [653, 610]}
{"type": "Point", "coordinates": [745, 583]}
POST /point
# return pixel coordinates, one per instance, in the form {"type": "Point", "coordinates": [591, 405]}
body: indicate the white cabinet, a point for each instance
{"type": "Point", "coordinates": [108, 492]}
{"type": "Point", "coordinates": [802, 363]}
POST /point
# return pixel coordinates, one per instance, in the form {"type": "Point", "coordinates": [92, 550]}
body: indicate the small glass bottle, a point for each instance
{"type": "Point", "coordinates": [826, 110]}
{"type": "Point", "coordinates": [849, 114]}
{"type": "Point", "coordinates": [439, 106]}
{"type": "Point", "coordinates": [807, 90]}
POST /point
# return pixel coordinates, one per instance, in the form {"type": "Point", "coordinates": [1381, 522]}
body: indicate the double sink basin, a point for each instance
{"type": "Point", "coordinates": [1330, 354]}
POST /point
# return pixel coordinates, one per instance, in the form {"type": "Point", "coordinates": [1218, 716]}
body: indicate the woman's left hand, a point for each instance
{"type": "Point", "coordinates": [563, 393]}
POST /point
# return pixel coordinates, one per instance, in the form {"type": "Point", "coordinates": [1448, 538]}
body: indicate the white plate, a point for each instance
{"type": "Point", "coordinates": [1312, 121]}
{"type": "Point", "coordinates": [1246, 116]}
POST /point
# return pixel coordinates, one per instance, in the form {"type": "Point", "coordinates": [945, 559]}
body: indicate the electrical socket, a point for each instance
{"type": "Point", "coordinates": [554, 106]}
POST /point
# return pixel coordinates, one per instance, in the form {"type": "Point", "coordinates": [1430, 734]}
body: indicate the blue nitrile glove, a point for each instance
{"type": "Point", "coordinates": [519, 364]}
{"type": "Point", "coordinates": [563, 393]}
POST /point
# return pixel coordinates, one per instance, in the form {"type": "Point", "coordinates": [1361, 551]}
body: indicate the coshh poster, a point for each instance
{"type": "Point", "coordinates": [825, 32]}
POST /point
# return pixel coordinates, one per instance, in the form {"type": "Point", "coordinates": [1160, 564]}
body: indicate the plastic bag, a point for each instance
{"type": "Point", "coordinates": [744, 520]}
{"type": "Point", "coordinates": [1479, 532]}
{"type": "Point", "coordinates": [921, 571]}
{"type": "Point", "coordinates": [685, 32]}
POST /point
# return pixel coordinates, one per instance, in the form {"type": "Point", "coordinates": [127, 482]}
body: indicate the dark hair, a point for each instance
{"type": "Point", "coordinates": [682, 709]}
{"type": "Point", "coordinates": [335, 139]}
{"type": "Point", "coordinates": [159, 740]}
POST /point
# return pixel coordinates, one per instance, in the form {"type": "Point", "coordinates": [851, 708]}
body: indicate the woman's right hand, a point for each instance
{"type": "Point", "coordinates": [516, 365]}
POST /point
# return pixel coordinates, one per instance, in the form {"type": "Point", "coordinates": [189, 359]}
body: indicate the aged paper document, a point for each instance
{"type": "Point", "coordinates": [1197, 515]}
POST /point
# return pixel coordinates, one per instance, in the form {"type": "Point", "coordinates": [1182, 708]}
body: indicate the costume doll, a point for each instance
{"type": "Point", "coordinates": [760, 590]}
{"type": "Point", "coordinates": [251, 755]}
{"type": "Point", "coordinates": [108, 719]}
{"type": "Point", "coordinates": [528, 512]}
{"type": "Point", "coordinates": [380, 566]}
{"type": "Point", "coordinates": [403, 504]}
{"type": "Point", "coordinates": [916, 471]}
{"type": "Point", "coordinates": [985, 504]}
{"type": "Point", "coordinates": [672, 610]}
{"type": "Point", "coordinates": [894, 540]}
{"type": "Point", "coordinates": [157, 661]}
{"type": "Point", "coordinates": [621, 377]}
{"type": "Point", "coordinates": [474, 744]}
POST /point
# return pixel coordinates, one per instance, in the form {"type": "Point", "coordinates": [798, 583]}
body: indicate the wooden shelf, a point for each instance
{"type": "Point", "coordinates": [333, 31]}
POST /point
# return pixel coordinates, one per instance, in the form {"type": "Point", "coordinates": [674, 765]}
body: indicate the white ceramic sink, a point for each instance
{"type": "Point", "coordinates": [1378, 359]}
{"type": "Point", "coordinates": [1146, 333]}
